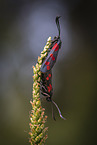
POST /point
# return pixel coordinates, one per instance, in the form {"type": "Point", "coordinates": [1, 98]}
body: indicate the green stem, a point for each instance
{"type": "Point", "coordinates": [37, 118]}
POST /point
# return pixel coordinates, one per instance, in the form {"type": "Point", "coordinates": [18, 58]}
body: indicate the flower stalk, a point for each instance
{"type": "Point", "coordinates": [38, 118]}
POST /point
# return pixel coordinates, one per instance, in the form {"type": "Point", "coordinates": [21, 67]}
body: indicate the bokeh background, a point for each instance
{"type": "Point", "coordinates": [25, 26]}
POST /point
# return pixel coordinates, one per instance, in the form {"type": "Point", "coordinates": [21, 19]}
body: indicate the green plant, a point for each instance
{"type": "Point", "coordinates": [37, 117]}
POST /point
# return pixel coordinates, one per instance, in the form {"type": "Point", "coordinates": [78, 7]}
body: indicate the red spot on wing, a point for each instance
{"type": "Point", "coordinates": [48, 67]}
{"type": "Point", "coordinates": [53, 58]}
{"type": "Point", "coordinates": [54, 46]}
{"type": "Point", "coordinates": [49, 75]}
{"type": "Point", "coordinates": [51, 55]}
{"type": "Point", "coordinates": [47, 63]}
{"type": "Point", "coordinates": [57, 48]}
{"type": "Point", "coordinates": [49, 87]}
{"type": "Point", "coordinates": [47, 78]}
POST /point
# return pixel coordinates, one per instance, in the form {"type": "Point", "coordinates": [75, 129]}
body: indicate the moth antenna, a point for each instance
{"type": "Point", "coordinates": [57, 23]}
{"type": "Point", "coordinates": [53, 115]}
{"type": "Point", "coordinates": [58, 110]}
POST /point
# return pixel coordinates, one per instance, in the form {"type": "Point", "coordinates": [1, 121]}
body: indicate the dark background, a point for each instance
{"type": "Point", "coordinates": [24, 29]}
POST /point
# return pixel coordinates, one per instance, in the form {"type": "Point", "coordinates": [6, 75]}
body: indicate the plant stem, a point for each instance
{"type": "Point", "coordinates": [37, 117]}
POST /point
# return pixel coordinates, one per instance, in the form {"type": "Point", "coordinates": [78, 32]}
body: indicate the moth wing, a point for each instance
{"type": "Point", "coordinates": [51, 58]}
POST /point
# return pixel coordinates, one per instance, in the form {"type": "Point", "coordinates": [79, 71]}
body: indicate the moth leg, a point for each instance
{"type": "Point", "coordinates": [43, 88]}
{"type": "Point", "coordinates": [44, 94]}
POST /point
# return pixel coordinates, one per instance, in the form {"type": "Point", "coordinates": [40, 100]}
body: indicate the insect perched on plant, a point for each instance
{"type": "Point", "coordinates": [46, 72]}
{"type": "Point", "coordinates": [53, 51]}
{"type": "Point", "coordinates": [47, 90]}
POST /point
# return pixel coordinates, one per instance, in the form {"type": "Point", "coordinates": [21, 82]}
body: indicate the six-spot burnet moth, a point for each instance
{"type": "Point", "coordinates": [53, 53]}
{"type": "Point", "coordinates": [47, 90]}
{"type": "Point", "coordinates": [46, 72]}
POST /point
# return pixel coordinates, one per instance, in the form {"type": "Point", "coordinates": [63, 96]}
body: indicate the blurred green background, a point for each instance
{"type": "Point", "coordinates": [24, 29]}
